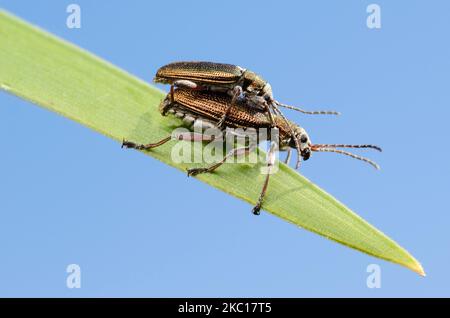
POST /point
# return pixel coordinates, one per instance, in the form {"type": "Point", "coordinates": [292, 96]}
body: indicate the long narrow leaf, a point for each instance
{"type": "Point", "coordinates": [65, 79]}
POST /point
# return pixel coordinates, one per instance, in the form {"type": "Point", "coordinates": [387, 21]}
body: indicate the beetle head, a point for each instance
{"type": "Point", "coordinates": [300, 140]}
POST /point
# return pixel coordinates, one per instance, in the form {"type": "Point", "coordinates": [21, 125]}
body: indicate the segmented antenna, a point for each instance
{"type": "Point", "coordinates": [319, 112]}
{"type": "Point", "coordinates": [347, 146]}
{"type": "Point", "coordinates": [343, 152]}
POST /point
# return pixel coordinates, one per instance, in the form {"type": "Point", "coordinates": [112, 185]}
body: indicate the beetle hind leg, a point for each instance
{"type": "Point", "coordinates": [133, 145]}
{"type": "Point", "coordinates": [189, 136]}
{"type": "Point", "coordinates": [237, 91]}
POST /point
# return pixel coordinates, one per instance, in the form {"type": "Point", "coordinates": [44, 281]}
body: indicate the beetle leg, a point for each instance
{"type": "Point", "coordinates": [236, 152]}
{"type": "Point", "coordinates": [182, 83]}
{"type": "Point", "coordinates": [237, 91]}
{"type": "Point", "coordinates": [267, 108]}
{"type": "Point", "coordinates": [189, 136]}
{"type": "Point", "coordinates": [130, 144]}
{"type": "Point", "coordinates": [297, 145]}
{"type": "Point", "coordinates": [185, 84]}
{"type": "Point", "coordinates": [270, 164]}
{"type": "Point", "coordinates": [195, 137]}
{"type": "Point", "coordinates": [288, 156]}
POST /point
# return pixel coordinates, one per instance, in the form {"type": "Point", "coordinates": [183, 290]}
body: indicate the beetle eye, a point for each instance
{"type": "Point", "coordinates": [303, 139]}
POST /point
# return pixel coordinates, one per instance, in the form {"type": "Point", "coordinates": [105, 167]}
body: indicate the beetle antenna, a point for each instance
{"type": "Point", "coordinates": [318, 112]}
{"type": "Point", "coordinates": [297, 145]}
{"type": "Point", "coordinates": [373, 163]}
{"type": "Point", "coordinates": [347, 146]}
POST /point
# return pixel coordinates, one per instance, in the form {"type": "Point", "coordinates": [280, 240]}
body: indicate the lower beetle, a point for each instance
{"type": "Point", "coordinates": [204, 107]}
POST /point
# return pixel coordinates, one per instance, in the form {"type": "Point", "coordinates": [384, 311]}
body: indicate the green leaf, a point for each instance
{"type": "Point", "coordinates": [74, 83]}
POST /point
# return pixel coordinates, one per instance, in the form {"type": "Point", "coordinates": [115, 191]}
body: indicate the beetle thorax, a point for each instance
{"type": "Point", "coordinates": [253, 83]}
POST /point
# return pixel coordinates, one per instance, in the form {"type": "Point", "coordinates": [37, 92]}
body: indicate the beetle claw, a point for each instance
{"type": "Point", "coordinates": [195, 171]}
{"type": "Point", "coordinates": [256, 209]}
{"type": "Point", "coordinates": [128, 144]}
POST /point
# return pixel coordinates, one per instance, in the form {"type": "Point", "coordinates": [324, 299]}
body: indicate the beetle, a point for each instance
{"type": "Point", "coordinates": [203, 108]}
{"type": "Point", "coordinates": [233, 79]}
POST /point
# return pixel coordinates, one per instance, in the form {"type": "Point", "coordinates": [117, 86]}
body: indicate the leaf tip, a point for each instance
{"type": "Point", "coordinates": [417, 267]}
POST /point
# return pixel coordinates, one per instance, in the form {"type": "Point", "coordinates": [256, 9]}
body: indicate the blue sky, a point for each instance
{"type": "Point", "coordinates": [63, 186]}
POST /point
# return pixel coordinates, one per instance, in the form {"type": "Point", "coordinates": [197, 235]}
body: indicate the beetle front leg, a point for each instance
{"type": "Point", "coordinates": [237, 91]}
{"type": "Point", "coordinates": [288, 156]}
{"type": "Point", "coordinates": [236, 152]}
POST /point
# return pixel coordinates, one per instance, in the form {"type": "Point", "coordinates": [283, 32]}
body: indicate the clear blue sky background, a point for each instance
{"type": "Point", "coordinates": [63, 187]}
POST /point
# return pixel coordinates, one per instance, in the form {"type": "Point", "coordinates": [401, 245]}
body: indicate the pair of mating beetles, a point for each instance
{"type": "Point", "coordinates": [224, 95]}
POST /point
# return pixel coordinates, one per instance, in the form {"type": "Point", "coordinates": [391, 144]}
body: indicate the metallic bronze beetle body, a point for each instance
{"type": "Point", "coordinates": [234, 80]}
{"type": "Point", "coordinates": [208, 106]}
